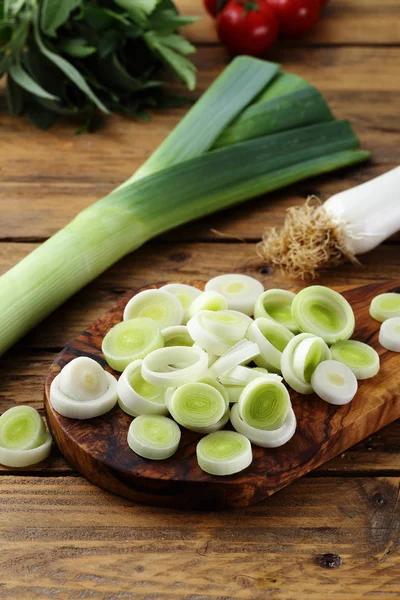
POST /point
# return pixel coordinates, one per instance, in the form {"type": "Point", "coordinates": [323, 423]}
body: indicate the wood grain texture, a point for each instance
{"type": "Point", "coordinates": [64, 539]}
{"type": "Point", "coordinates": [98, 448]}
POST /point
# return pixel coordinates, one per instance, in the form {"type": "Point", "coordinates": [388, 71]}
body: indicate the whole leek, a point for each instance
{"type": "Point", "coordinates": [160, 196]}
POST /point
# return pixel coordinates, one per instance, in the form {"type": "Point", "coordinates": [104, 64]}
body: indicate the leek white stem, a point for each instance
{"type": "Point", "coordinates": [389, 335]}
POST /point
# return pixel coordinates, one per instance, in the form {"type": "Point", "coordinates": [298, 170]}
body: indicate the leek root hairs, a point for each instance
{"type": "Point", "coordinates": [309, 240]}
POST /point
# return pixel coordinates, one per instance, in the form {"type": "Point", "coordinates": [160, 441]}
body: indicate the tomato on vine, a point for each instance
{"type": "Point", "coordinates": [296, 17]}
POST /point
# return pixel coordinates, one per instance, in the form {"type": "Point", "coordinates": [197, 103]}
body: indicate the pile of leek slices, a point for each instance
{"type": "Point", "coordinates": [200, 359]}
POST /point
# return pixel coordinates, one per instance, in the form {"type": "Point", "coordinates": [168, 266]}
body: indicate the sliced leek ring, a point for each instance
{"type": "Point", "coordinates": [324, 313]}
{"type": "Point", "coordinates": [177, 335]}
{"type": "Point", "coordinates": [262, 437]}
{"type": "Point", "coordinates": [229, 325]}
{"type": "Point", "coordinates": [89, 409]}
{"type": "Point", "coordinates": [240, 353]}
{"type": "Point", "coordinates": [131, 340]}
{"type": "Point", "coordinates": [362, 359]}
{"type": "Point", "coordinates": [137, 396]}
{"type": "Point", "coordinates": [334, 382]}
{"type": "Point", "coordinates": [264, 404]}
{"type": "Point", "coordinates": [389, 334]}
{"type": "Point", "coordinates": [161, 306]}
{"type": "Point", "coordinates": [21, 428]}
{"type": "Point", "coordinates": [154, 436]}
{"type": "Point", "coordinates": [224, 453]}
{"type": "Point", "coordinates": [195, 405]}
{"type": "Point", "coordinates": [385, 306]}
{"type": "Point", "coordinates": [186, 294]}
{"type": "Point", "coordinates": [208, 300]}
{"type": "Point", "coordinates": [298, 384]}
{"type": "Point", "coordinates": [175, 366]}
{"type": "Point", "coordinates": [240, 291]}
{"type": "Point", "coordinates": [307, 355]}
{"type": "Point", "coordinates": [83, 379]}
{"type": "Point", "coordinates": [271, 338]}
{"type": "Point", "coordinates": [276, 304]}
{"type": "Point", "coordinates": [215, 427]}
{"type": "Point", "coordinates": [205, 338]}
{"type": "Point", "coordinates": [25, 458]}
{"type": "Point", "coordinates": [243, 375]}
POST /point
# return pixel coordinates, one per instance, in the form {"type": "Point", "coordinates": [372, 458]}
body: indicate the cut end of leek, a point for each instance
{"type": "Point", "coordinates": [24, 440]}
{"type": "Point", "coordinates": [177, 335]}
{"type": "Point", "coordinates": [137, 396]}
{"type": "Point", "coordinates": [262, 437]}
{"type": "Point", "coordinates": [389, 334]}
{"type": "Point", "coordinates": [197, 405]}
{"type": "Point", "coordinates": [334, 382]}
{"type": "Point", "coordinates": [359, 357]}
{"type": "Point", "coordinates": [385, 306]}
{"type": "Point", "coordinates": [240, 291]}
{"type": "Point", "coordinates": [131, 340]}
{"type": "Point", "coordinates": [208, 300]}
{"type": "Point", "coordinates": [224, 453]}
{"type": "Point", "coordinates": [323, 312]}
{"type": "Point", "coordinates": [154, 436]}
{"type": "Point", "coordinates": [175, 366]}
{"type": "Point", "coordinates": [271, 338]}
{"type": "Point", "coordinates": [186, 295]}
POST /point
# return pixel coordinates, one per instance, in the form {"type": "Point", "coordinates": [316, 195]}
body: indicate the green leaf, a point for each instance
{"type": "Point", "coordinates": [40, 117]}
{"type": "Point", "coordinates": [25, 81]}
{"type": "Point", "coordinates": [176, 42]}
{"type": "Point", "coordinates": [183, 68]}
{"type": "Point", "coordinates": [168, 19]}
{"type": "Point", "coordinates": [139, 10]}
{"type": "Point", "coordinates": [55, 13]}
{"type": "Point", "coordinates": [15, 98]}
{"type": "Point", "coordinates": [77, 47]}
{"type": "Point", "coordinates": [108, 43]}
{"type": "Point", "coordinates": [5, 32]}
{"type": "Point", "coordinates": [70, 71]}
{"type": "Point", "coordinates": [19, 36]}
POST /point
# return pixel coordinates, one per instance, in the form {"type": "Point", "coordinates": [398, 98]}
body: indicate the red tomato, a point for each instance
{"type": "Point", "coordinates": [247, 27]}
{"type": "Point", "coordinates": [323, 2]}
{"type": "Point", "coordinates": [296, 17]}
{"type": "Point", "coordinates": [211, 7]}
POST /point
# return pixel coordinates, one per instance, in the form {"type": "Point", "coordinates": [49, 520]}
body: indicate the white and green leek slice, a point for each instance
{"type": "Point", "coordinates": [243, 375]}
{"type": "Point", "coordinates": [208, 300]}
{"type": "Point", "coordinates": [24, 440]}
{"type": "Point", "coordinates": [307, 355]}
{"type": "Point", "coordinates": [271, 338]}
{"type": "Point", "coordinates": [263, 437]}
{"type": "Point", "coordinates": [334, 382]}
{"type": "Point", "coordinates": [177, 335]}
{"type": "Point", "coordinates": [276, 304]}
{"type": "Point", "coordinates": [186, 294]}
{"type": "Point", "coordinates": [204, 337]}
{"type": "Point", "coordinates": [195, 405]}
{"type": "Point", "coordinates": [230, 325]}
{"type": "Point", "coordinates": [218, 386]}
{"type": "Point", "coordinates": [161, 306]}
{"type": "Point", "coordinates": [385, 306]}
{"type": "Point", "coordinates": [264, 404]}
{"type": "Point", "coordinates": [389, 334]}
{"type": "Point", "coordinates": [175, 366]}
{"type": "Point", "coordinates": [21, 428]}
{"type": "Point", "coordinates": [69, 407]}
{"type": "Point", "coordinates": [242, 352]}
{"type": "Point", "coordinates": [323, 312]}
{"type": "Point", "coordinates": [215, 427]}
{"type": "Point", "coordinates": [154, 436]}
{"type": "Point", "coordinates": [359, 357]}
{"type": "Point", "coordinates": [299, 384]}
{"type": "Point", "coordinates": [131, 340]}
{"type": "Point", "coordinates": [83, 379]}
{"type": "Point", "coordinates": [241, 291]}
{"type": "Point", "coordinates": [224, 453]}
{"type": "Point", "coordinates": [138, 397]}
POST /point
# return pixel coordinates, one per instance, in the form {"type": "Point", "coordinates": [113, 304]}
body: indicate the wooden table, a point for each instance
{"type": "Point", "coordinates": [62, 538]}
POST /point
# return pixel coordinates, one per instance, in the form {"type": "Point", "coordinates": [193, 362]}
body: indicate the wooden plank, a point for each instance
{"type": "Point", "coordinates": [48, 177]}
{"type": "Point", "coordinates": [63, 538]}
{"type": "Point", "coordinates": [349, 22]}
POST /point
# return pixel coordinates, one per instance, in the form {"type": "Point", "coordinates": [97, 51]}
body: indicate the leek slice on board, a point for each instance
{"type": "Point", "coordinates": [89, 409]}
{"type": "Point", "coordinates": [197, 405]}
{"type": "Point", "coordinates": [186, 294]}
{"type": "Point", "coordinates": [385, 306]}
{"type": "Point", "coordinates": [334, 382]}
{"type": "Point", "coordinates": [271, 338]}
{"type": "Point", "coordinates": [240, 291]}
{"type": "Point", "coordinates": [154, 436]}
{"type": "Point", "coordinates": [264, 404]}
{"type": "Point", "coordinates": [224, 453]}
{"type": "Point", "coordinates": [319, 310]}
{"type": "Point", "coordinates": [138, 397]}
{"type": "Point", "coordinates": [262, 437]}
{"type": "Point", "coordinates": [276, 304]}
{"type": "Point", "coordinates": [175, 366]}
{"type": "Point", "coordinates": [161, 306]}
{"type": "Point", "coordinates": [359, 357]}
{"type": "Point", "coordinates": [389, 334]}
{"type": "Point", "coordinates": [131, 340]}
{"type": "Point", "coordinates": [21, 428]}
{"type": "Point", "coordinates": [176, 335]}
{"type": "Point", "coordinates": [310, 356]}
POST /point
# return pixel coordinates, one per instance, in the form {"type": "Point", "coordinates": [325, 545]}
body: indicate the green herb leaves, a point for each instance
{"type": "Point", "coordinates": [71, 57]}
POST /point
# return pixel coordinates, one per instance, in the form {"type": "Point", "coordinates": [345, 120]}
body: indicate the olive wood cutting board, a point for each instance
{"type": "Point", "coordinates": [98, 449]}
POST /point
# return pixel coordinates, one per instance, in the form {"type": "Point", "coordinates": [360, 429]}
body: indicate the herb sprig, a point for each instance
{"type": "Point", "coordinates": [78, 57]}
